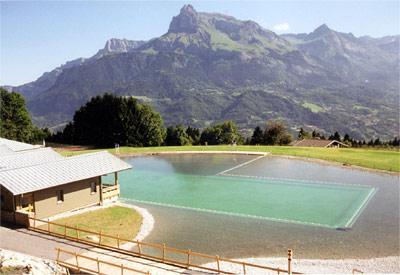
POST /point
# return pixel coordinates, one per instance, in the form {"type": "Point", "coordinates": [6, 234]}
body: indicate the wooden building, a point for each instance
{"type": "Point", "coordinates": [43, 183]}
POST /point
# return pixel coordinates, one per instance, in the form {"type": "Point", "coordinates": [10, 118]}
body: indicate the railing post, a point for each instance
{"type": "Point", "coordinates": [48, 226]}
{"type": "Point", "coordinates": [290, 261]}
{"type": "Point", "coordinates": [118, 241]}
{"type": "Point", "coordinates": [217, 259]}
{"type": "Point", "coordinates": [188, 257]}
{"type": "Point", "coordinates": [58, 255]}
{"type": "Point", "coordinates": [122, 269]}
{"type": "Point", "coordinates": [244, 268]}
{"type": "Point", "coordinates": [77, 232]}
{"type": "Point", "coordinates": [163, 252]}
{"type": "Point", "coordinates": [77, 263]}
{"type": "Point", "coordinates": [100, 237]}
{"type": "Point", "coordinates": [98, 265]}
{"type": "Point", "coordinates": [140, 251]}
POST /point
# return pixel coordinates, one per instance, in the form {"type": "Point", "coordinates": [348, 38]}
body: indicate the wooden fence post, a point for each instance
{"type": "Point", "coordinates": [122, 269]}
{"type": "Point", "coordinates": [163, 252]}
{"type": "Point", "coordinates": [77, 232]}
{"type": "Point", "coordinates": [140, 251]}
{"type": "Point", "coordinates": [58, 255]}
{"type": "Point", "coordinates": [118, 241]}
{"type": "Point", "coordinates": [98, 265]}
{"type": "Point", "coordinates": [100, 237]}
{"type": "Point", "coordinates": [290, 261]}
{"type": "Point", "coordinates": [217, 259]}
{"type": "Point", "coordinates": [244, 268]}
{"type": "Point", "coordinates": [188, 257]}
{"type": "Point", "coordinates": [77, 263]}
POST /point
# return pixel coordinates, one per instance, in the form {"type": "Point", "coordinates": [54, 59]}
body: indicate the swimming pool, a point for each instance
{"type": "Point", "coordinates": [332, 205]}
{"type": "Point", "coordinates": [231, 231]}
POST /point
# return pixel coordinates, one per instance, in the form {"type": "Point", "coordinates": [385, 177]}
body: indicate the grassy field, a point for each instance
{"type": "Point", "coordinates": [112, 221]}
{"type": "Point", "coordinates": [387, 160]}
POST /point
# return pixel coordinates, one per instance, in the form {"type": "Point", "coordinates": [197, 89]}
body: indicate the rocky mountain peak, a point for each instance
{"type": "Point", "coordinates": [116, 45]}
{"type": "Point", "coordinates": [188, 9]}
{"type": "Point", "coordinates": [186, 21]}
{"type": "Point", "coordinates": [321, 30]}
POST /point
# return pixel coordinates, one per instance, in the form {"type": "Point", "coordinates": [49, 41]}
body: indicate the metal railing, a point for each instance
{"type": "Point", "coordinates": [146, 250]}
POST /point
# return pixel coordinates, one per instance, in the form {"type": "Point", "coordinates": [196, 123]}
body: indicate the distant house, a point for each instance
{"type": "Point", "coordinates": [319, 143]}
{"type": "Point", "coordinates": [39, 181]}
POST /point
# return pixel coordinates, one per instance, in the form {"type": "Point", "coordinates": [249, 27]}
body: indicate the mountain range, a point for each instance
{"type": "Point", "coordinates": [211, 67]}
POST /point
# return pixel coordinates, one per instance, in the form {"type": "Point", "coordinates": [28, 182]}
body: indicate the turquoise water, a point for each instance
{"type": "Point", "coordinates": [185, 183]}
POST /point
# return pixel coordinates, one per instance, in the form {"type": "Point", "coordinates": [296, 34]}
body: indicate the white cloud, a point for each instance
{"type": "Point", "coordinates": [282, 27]}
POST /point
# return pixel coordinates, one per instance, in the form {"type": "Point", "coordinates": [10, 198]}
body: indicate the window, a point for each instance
{"type": "Point", "coordinates": [93, 188]}
{"type": "Point", "coordinates": [60, 196]}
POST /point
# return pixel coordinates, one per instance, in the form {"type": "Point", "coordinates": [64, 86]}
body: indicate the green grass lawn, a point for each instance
{"type": "Point", "coordinates": [387, 160]}
{"type": "Point", "coordinates": [112, 221]}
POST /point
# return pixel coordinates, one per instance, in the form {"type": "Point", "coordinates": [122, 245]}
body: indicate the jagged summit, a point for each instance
{"type": "Point", "coordinates": [186, 21]}
{"type": "Point", "coordinates": [115, 45]}
{"type": "Point", "coordinates": [321, 31]}
{"type": "Point", "coordinates": [323, 28]}
{"type": "Point", "coordinates": [188, 9]}
{"type": "Point", "coordinates": [194, 32]}
{"type": "Point", "coordinates": [121, 45]}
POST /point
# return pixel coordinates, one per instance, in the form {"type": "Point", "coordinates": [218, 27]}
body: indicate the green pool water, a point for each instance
{"type": "Point", "coordinates": [318, 204]}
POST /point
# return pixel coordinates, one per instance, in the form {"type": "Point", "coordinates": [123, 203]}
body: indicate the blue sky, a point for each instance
{"type": "Point", "coordinates": [39, 36]}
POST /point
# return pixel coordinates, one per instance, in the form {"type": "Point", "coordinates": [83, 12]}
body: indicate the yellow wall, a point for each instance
{"type": "Point", "coordinates": [76, 195]}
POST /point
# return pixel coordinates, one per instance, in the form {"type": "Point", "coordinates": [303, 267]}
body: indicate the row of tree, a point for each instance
{"type": "Point", "coordinates": [223, 133]}
{"type": "Point", "coordinates": [107, 120]}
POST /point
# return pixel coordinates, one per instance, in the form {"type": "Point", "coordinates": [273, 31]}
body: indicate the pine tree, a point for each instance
{"type": "Point", "coordinates": [257, 137]}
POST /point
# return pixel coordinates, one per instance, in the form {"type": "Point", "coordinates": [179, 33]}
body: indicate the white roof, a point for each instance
{"type": "Point", "coordinates": [66, 170]}
{"type": "Point", "coordinates": [5, 150]}
{"type": "Point", "coordinates": [16, 145]}
{"type": "Point", "coordinates": [28, 158]}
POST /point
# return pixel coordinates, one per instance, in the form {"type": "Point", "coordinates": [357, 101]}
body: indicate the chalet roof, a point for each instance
{"type": "Point", "coordinates": [16, 145]}
{"type": "Point", "coordinates": [28, 158]}
{"type": "Point", "coordinates": [5, 150]}
{"type": "Point", "coordinates": [317, 143]}
{"type": "Point", "coordinates": [65, 170]}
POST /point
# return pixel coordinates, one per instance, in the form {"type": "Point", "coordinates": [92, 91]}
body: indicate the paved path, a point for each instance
{"type": "Point", "coordinates": [44, 246]}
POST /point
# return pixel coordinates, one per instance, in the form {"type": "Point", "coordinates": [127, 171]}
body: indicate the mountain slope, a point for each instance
{"type": "Point", "coordinates": [210, 67]}
{"type": "Point", "coordinates": [48, 79]}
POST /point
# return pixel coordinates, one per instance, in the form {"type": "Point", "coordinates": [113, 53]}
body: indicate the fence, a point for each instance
{"type": "Point", "coordinates": [100, 265]}
{"type": "Point", "coordinates": [152, 251]}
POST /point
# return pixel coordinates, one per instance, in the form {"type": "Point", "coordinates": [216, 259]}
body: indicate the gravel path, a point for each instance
{"type": "Point", "coordinates": [321, 266]}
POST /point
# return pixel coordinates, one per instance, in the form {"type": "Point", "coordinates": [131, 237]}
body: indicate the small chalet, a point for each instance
{"type": "Point", "coordinates": [319, 143]}
{"type": "Point", "coordinates": [38, 181]}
